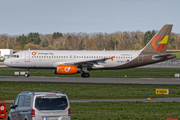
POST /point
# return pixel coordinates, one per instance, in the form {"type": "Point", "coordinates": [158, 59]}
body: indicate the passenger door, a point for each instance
{"type": "Point", "coordinates": [140, 58]}
{"type": "Point", "coordinates": [27, 57]}
{"type": "Point", "coordinates": [24, 109]}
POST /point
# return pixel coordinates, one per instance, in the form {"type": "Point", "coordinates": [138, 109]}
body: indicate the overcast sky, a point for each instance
{"type": "Point", "coordinates": [19, 17]}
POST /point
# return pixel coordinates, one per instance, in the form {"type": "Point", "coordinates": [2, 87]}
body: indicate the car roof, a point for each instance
{"type": "Point", "coordinates": [41, 93]}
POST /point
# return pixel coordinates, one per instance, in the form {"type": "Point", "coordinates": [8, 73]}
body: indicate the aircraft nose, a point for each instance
{"type": "Point", "coordinates": [6, 62]}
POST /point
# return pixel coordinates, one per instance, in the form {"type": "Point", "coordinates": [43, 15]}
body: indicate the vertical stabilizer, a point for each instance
{"type": "Point", "coordinates": [160, 40]}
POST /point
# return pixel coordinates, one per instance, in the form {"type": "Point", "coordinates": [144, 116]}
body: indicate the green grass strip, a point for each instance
{"type": "Point", "coordinates": [9, 91]}
{"type": "Point", "coordinates": [130, 73]}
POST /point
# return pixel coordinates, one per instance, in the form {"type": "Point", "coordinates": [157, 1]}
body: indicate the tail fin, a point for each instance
{"type": "Point", "coordinates": [160, 40]}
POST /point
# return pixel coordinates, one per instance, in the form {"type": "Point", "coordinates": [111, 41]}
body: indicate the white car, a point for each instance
{"type": "Point", "coordinates": [40, 106]}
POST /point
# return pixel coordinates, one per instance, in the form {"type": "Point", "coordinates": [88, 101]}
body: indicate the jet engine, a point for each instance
{"type": "Point", "coordinates": [67, 69]}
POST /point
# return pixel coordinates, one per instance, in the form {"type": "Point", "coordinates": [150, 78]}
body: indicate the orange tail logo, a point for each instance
{"type": "Point", "coordinates": [162, 42]}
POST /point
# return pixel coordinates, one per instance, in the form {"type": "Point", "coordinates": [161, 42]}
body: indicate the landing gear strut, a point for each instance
{"type": "Point", "coordinates": [85, 75]}
{"type": "Point", "coordinates": [27, 73]}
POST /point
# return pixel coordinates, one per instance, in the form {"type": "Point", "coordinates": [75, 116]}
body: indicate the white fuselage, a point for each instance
{"type": "Point", "coordinates": [52, 58]}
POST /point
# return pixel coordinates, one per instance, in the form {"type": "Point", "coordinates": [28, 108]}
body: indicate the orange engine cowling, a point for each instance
{"type": "Point", "coordinates": [67, 69]}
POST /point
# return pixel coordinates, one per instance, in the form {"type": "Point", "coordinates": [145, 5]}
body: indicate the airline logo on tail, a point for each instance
{"type": "Point", "coordinates": [162, 42]}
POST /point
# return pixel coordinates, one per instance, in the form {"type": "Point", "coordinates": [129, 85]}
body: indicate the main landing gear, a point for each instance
{"type": "Point", "coordinates": [27, 73]}
{"type": "Point", "coordinates": [85, 74]}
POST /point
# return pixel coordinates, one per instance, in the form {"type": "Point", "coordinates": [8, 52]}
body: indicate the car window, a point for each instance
{"type": "Point", "coordinates": [16, 101]}
{"type": "Point", "coordinates": [21, 100]}
{"type": "Point", "coordinates": [24, 101]}
{"type": "Point", "coordinates": [27, 101]}
{"type": "Point", "coordinates": [51, 103]}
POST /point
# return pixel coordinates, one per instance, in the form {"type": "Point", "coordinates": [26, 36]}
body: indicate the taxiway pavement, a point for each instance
{"type": "Point", "coordinates": [77, 80]}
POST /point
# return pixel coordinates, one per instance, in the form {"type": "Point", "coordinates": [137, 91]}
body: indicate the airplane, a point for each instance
{"type": "Point", "coordinates": [80, 61]}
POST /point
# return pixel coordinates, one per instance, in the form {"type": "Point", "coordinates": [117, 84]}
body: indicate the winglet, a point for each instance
{"type": "Point", "coordinates": [112, 58]}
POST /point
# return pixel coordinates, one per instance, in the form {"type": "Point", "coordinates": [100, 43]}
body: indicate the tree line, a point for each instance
{"type": "Point", "coordinates": [126, 40]}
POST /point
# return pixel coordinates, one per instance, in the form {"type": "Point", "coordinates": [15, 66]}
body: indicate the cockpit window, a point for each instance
{"type": "Point", "coordinates": [14, 56]}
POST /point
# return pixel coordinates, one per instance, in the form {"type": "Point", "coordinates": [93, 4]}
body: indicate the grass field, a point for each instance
{"type": "Point", "coordinates": [9, 91]}
{"type": "Point", "coordinates": [177, 54]}
{"type": "Point", "coordinates": [123, 110]}
{"type": "Point", "coordinates": [131, 73]}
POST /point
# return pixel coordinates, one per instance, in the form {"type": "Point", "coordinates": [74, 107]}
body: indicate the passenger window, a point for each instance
{"type": "Point", "coordinates": [27, 101]}
{"type": "Point", "coordinates": [17, 56]}
{"type": "Point", "coordinates": [44, 56]}
{"type": "Point", "coordinates": [34, 56]}
{"type": "Point", "coordinates": [39, 56]}
{"type": "Point", "coordinates": [21, 101]}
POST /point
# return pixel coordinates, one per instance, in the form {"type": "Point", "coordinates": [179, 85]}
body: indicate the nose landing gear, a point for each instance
{"type": "Point", "coordinates": [27, 73]}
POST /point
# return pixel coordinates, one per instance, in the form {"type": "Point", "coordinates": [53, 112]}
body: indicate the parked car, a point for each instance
{"type": "Point", "coordinates": [40, 106]}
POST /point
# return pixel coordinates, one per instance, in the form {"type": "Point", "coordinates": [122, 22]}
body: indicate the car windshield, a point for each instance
{"type": "Point", "coordinates": [51, 103]}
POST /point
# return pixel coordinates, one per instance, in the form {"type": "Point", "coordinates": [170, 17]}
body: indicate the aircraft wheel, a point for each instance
{"type": "Point", "coordinates": [26, 75]}
{"type": "Point", "coordinates": [85, 75]}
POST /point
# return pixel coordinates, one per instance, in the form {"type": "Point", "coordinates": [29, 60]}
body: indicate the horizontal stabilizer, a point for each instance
{"type": "Point", "coordinates": [163, 56]}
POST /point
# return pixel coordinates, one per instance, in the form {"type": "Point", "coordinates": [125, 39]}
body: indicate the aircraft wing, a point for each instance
{"type": "Point", "coordinates": [87, 62]}
{"type": "Point", "coordinates": [93, 61]}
